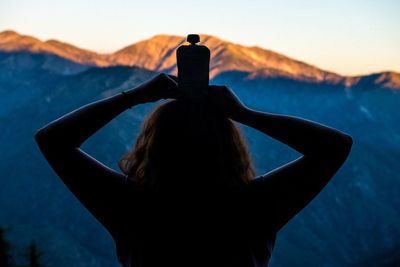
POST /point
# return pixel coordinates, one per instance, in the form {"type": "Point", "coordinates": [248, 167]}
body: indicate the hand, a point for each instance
{"type": "Point", "coordinates": [226, 101]}
{"type": "Point", "coordinates": [162, 86]}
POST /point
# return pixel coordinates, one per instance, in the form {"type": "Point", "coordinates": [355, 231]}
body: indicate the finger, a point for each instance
{"type": "Point", "coordinates": [172, 84]}
{"type": "Point", "coordinates": [217, 88]}
{"type": "Point", "coordinates": [166, 80]}
{"type": "Point", "coordinates": [173, 92]}
{"type": "Point", "coordinates": [173, 77]}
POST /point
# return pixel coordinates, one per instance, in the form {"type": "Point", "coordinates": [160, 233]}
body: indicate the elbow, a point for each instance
{"type": "Point", "coordinates": [47, 138]}
{"type": "Point", "coordinates": [341, 149]}
{"type": "Point", "coordinates": [40, 136]}
{"type": "Point", "coordinates": [347, 143]}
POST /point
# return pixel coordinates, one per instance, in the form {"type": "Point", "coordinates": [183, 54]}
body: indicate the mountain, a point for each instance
{"type": "Point", "coordinates": [352, 222]}
{"type": "Point", "coordinates": [158, 54]}
{"type": "Point", "coordinates": [388, 79]}
{"type": "Point", "coordinates": [226, 56]}
{"type": "Point", "coordinates": [10, 41]}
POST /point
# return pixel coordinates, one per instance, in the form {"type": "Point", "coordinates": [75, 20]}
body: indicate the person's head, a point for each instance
{"type": "Point", "coordinates": [189, 144]}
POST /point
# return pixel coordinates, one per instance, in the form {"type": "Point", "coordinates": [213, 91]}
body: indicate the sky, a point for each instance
{"type": "Point", "coordinates": [349, 37]}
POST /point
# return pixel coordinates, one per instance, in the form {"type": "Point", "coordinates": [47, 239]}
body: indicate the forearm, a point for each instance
{"type": "Point", "coordinates": [307, 137]}
{"type": "Point", "coordinates": [77, 126]}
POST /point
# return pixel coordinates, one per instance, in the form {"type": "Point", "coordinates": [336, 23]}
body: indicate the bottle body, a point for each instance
{"type": "Point", "coordinates": [193, 63]}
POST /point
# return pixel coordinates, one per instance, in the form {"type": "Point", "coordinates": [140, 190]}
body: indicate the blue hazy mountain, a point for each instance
{"type": "Point", "coordinates": [355, 221]}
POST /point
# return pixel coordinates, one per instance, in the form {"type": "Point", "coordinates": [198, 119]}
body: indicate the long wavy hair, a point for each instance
{"type": "Point", "coordinates": [184, 143]}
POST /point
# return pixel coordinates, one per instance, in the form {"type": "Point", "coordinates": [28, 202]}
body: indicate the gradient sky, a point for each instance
{"type": "Point", "coordinates": [345, 36]}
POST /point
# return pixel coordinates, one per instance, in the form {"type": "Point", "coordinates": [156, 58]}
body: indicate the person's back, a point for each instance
{"type": "Point", "coordinates": [188, 195]}
{"type": "Point", "coordinates": [193, 228]}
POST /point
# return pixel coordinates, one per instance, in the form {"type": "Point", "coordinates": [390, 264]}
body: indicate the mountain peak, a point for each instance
{"type": "Point", "coordinates": [8, 33]}
{"type": "Point", "coordinates": [387, 79]}
{"type": "Point", "coordinates": [158, 53]}
{"type": "Point", "coordinates": [12, 41]}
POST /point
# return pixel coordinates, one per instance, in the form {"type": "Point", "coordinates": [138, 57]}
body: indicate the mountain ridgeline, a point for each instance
{"type": "Point", "coordinates": [354, 221]}
{"type": "Point", "coordinates": [158, 54]}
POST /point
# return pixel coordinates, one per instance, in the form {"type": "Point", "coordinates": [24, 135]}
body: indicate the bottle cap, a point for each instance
{"type": "Point", "coordinates": [193, 38]}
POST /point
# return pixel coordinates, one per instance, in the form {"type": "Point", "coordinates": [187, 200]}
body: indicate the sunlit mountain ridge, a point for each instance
{"type": "Point", "coordinates": [158, 54]}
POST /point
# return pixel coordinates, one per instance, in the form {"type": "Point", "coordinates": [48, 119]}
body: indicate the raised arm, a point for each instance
{"type": "Point", "coordinates": [99, 188]}
{"type": "Point", "coordinates": [289, 188]}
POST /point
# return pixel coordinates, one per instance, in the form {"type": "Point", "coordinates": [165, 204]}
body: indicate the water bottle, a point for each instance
{"type": "Point", "coordinates": [193, 63]}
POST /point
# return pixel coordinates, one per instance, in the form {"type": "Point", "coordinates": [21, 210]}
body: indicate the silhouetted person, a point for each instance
{"type": "Point", "coordinates": [187, 195]}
